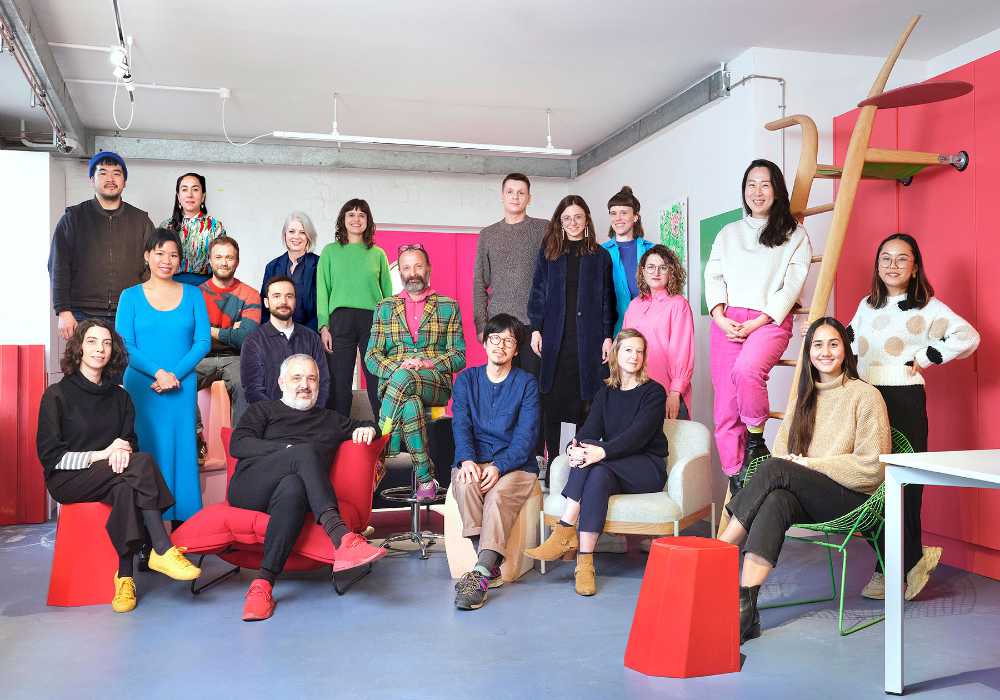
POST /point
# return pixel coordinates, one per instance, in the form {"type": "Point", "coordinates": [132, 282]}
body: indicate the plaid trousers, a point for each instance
{"type": "Point", "coordinates": [408, 393]}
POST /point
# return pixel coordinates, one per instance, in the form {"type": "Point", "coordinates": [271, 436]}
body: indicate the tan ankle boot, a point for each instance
{"type": "Point", "coordinates": [586, 577]}
{"type": "Point", "coordinates": [561, 544]}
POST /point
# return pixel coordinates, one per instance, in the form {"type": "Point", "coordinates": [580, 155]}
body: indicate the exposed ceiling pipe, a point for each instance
{"type": "Point", "coordinates": [781, 84]}
{"type": "Point", "coordinates": [54, 145]}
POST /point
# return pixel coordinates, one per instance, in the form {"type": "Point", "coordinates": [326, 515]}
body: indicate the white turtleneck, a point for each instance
{"type": "Point", "coordinates": [742, 272]}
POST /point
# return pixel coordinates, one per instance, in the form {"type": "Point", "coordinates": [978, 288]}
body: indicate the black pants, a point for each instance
{"type": "Point", "coordinates": [140, 487]}
{"type": "Point", "coordinates": [783, 493]}
{"type": "Point", "coordinates": [907, 406]}
{"type": "Point", "coordinates": [286, 485]}
{"type": "Point", "coordinates": [350, 329]}
{"type": "Point", "coordinates": [527, 360]}
{"type": "Point", "coordinates": [592, 486]}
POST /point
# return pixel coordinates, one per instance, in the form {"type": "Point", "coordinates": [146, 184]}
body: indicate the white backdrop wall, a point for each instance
{"type": "Point", "coordinates": [252, 201]}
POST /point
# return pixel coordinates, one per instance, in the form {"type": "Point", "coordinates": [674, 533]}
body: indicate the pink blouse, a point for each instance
{"type": "Point", "coordinates": [668, 325]}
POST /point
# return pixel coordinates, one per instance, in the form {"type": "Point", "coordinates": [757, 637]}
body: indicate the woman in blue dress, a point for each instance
{"type": "Point", "coordinates": [166, 331]}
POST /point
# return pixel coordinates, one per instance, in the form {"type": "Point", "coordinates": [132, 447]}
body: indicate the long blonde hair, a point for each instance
{"type": "Point", "coordinates": [614, 380]}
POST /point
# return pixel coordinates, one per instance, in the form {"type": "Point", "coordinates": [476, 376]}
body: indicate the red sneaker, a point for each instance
{"type": "Point", "coordinates": [259, 604]}
{"type": "Point", "coordinates": [355, 551]}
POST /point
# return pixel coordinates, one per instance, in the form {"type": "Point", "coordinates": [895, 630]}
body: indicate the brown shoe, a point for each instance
{"type": "Point", "coordinates": [561, 544]}
{"type": "Point", "coordinates": [586, 577]}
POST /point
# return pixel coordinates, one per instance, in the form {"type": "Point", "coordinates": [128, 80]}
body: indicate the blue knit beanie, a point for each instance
{"type": "Point", "coordinates": [106, 155]}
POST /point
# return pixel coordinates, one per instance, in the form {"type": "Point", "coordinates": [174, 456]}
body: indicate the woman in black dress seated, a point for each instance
{"type": "Point", "coordinates": [87, 444]}
{"type": "Point", "coordinates": [620, 449]}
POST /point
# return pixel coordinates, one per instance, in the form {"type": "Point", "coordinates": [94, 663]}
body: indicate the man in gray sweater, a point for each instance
{"type": "Point", "coordinates": [505, 263]}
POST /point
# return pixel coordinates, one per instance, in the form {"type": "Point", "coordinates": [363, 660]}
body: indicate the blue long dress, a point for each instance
{"type": "Point", "coordinates": [175, 341]}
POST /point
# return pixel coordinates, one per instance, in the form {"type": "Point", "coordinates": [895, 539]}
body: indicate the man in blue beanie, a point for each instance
{"type": "Point", "coordinates": [97, 248]}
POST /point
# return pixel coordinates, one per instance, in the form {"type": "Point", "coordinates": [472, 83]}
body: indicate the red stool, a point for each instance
{"type": "Point", "coordinates": [687, 620]}
{"type": "Point", "coordinates": [85, 562]}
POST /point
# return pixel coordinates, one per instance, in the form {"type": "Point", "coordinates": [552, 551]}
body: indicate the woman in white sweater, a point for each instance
{"type": "Point", "coordinates": [753, 278]}
{"type": "Point", "coordinates": [899, 330]}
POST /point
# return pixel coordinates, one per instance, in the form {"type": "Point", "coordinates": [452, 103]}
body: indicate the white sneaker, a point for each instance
{"type": "Point", "coordinates": [875, 588]}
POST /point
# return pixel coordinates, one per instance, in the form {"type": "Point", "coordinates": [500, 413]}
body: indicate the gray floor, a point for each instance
{"type": "Point", "coordinates": [397, 635]}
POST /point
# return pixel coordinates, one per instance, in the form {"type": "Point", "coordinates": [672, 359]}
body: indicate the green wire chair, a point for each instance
{"type": "Point", "coordinates": [866, 522]}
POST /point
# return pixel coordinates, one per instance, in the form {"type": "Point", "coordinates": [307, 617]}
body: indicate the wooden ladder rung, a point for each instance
{"type": "Point", "coordinates": [779, 415]}
{"type": "Point", "coordinates": [821, 209]}
{"type": "Point", "coordinates": [815, 259]}
{"type": "Point", "coordinates": [787, 363]}
{"type": "Point", "coordinates": [800, 310]}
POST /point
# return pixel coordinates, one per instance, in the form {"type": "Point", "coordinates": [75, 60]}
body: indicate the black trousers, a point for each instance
{"type": "Point", "coordinates": [350, 329]}
{"type": "Point", "coordinates": [140, 487]}
{"type": "Point", "coordinates": [781, 494]}
{"type": "Point", "coordinates": [592, 486]}
{"type": "Point", "coordinates": [286, 485]}
{"type": "Point", "coordinates": [907, 406]}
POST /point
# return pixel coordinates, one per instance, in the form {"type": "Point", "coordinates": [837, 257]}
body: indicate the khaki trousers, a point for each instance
{"type": "Point", "coordinates": [491, 515]}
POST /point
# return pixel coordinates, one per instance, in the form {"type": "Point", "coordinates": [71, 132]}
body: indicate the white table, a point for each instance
{"type": "Point", "coordinates": [970, 468]}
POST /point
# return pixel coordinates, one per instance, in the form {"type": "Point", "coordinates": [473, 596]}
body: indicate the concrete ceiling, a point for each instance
{"type": "Point", "coordinates": [451, 69]}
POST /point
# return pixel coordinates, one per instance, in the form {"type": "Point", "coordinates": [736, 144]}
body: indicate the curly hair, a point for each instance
{"type": "Point", "coordinates": [71, 358]}
{"type": "Point", "coordinates": [368, 237]}
{"type": "Point", "coordinates": [675, 275]}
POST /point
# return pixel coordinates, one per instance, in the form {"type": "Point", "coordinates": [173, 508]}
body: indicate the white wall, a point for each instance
{"type": "Point", "coordinates": [966, 53]}
{"type": "Point", "coordinates": [26, 317]}
{"type": "Point", "coordinates": [252, 201]}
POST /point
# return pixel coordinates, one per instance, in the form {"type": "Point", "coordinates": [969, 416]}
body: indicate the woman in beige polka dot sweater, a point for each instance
{"type": "Point", "coordinates": [899, 330]}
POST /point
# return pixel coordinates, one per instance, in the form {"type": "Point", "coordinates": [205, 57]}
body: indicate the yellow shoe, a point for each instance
{"type": "Point", "coordinates": [174, 564]}
{"type": "Point", "coordinates": [124, 600]}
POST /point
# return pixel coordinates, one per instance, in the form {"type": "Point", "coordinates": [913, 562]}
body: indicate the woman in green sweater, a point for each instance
{"type": "Point", "coordinates": [351, 278]}
{"type": "Point", "coordinates": [825, 461]}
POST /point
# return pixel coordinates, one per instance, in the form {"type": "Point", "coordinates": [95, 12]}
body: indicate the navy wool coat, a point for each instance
{"type": "Point", "coordinates": [305, 288]}
{"type": "Point", "coordinates": [595, 315]}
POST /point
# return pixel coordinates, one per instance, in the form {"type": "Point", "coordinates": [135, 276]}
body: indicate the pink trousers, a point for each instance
{"type": "Point", "coordinates": [739, 376]}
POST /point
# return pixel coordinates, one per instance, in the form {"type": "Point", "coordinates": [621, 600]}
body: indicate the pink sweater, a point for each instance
{"type": "Point", "coordinates": [666, 322]}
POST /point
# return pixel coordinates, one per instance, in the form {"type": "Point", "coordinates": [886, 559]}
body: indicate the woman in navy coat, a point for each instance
{"type": "Point", "coordinates": [298, 262]}
{"type": "Point", "coordinates": [572, 314]}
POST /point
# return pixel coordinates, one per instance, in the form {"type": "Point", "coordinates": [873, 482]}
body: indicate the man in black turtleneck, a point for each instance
{"type": "Point", "coordinates": [284, 449]}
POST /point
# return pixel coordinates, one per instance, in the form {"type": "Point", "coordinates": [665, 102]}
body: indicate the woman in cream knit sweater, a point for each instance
{"type": "Point", "coordinates": [825, 463]}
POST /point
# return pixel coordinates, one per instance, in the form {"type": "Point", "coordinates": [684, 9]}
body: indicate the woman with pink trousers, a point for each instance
{"type": "Point", "coordinates": [754, 276]}
{"type": "Point", "coordinates": [662, 314]}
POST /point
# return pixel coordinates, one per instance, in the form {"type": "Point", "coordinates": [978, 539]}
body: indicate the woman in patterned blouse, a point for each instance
{"type": "Point", "coordinates": [196, 229]}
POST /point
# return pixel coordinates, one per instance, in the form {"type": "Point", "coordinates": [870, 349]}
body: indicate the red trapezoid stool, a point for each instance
{"type": "Point", "coordinates": [687, 620]}
{"type": "Point", "coordinates": [85, 561]}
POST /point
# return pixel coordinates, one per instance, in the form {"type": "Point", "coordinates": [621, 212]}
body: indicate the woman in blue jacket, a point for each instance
{"type": "Point", "coordinates": [572, 316]}
{"type": "Point", "coordinates": [298, 262]}
{"type": "Point", "coordinates": [626, 245]}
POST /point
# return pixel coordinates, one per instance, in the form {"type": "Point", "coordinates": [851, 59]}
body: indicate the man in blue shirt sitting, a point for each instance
{"type": "Point", "coordinates": [495, 421]}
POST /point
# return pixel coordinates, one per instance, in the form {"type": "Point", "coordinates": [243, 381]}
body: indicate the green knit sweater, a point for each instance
{"type": "Point", "coordinates": [350, 276]}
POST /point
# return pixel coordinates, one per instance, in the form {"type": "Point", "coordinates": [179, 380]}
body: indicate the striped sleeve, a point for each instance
{"type": "Point", "coordinates": [73, 461]}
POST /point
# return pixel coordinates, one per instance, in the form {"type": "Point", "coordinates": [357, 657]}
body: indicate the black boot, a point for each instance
{"type": "Point", "coordinates": [754, 450]}
{"type": "Point", "coordinates": [749, 617]}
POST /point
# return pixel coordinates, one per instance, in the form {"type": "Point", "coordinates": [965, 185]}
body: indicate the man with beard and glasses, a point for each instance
{"type": "Point", "coordinates": [234, 314]}
{"type": "Point", "coordinates": [97, 248]}
{"type": "Point", "coordinates": [278, 339]}
{"type": "Point", "coordinates": [285, 449]}
{"type": "Point", "coordinates": [416, 345]}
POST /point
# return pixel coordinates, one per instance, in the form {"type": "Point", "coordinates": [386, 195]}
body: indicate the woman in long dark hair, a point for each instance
{"type": "Point", "coordinates": [572, 313]}
{"type": "Point", "coordinates": [352, 277]}
{"type": "Point", "coordinates": [195, 228]}
{"type": "Point", "coordinates": [825, 462]}
{"type": "Point", "coordinates": [900, 330]}
{"type": "Point", "coordinates": [753, 278]}
{"type": "Point", "coordinates": [87, 444]}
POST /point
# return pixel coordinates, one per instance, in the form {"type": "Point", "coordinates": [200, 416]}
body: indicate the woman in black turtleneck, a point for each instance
{"type": "Point", "coordinates": [88, 447]}
{"type": "Point", "coordinates": [572, 313]}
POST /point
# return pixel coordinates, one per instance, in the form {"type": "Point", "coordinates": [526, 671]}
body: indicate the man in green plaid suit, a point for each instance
{"type": "Point", "coordinates": [416, 345]}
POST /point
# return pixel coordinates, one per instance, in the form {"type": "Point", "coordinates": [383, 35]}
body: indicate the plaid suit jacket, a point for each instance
{"type": "Point", "coordinates": [439, 339]}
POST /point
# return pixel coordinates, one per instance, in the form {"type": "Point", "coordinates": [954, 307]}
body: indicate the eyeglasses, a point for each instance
{"type": "Point", "coordinates": [573, 218]}
{"type": "Point", "coordinates": [897, 262]}
{"type": "Point", "coordinates": [496, 339]}
{"type": "Point", "coordinates": [409, 246]}
{"type": "Point", "coordinates": [662, 269]}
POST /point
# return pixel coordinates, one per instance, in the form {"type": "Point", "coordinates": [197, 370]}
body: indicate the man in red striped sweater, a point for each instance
{"type": "Point", "coordinates": [234, 313]}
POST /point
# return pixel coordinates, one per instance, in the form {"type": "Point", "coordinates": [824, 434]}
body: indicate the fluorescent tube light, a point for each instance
{"type": "Point", "coordinates": [344, 138]}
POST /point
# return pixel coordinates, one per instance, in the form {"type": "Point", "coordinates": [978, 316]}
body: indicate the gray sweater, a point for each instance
{"type": "Point", "coordinates": [505, 265]}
